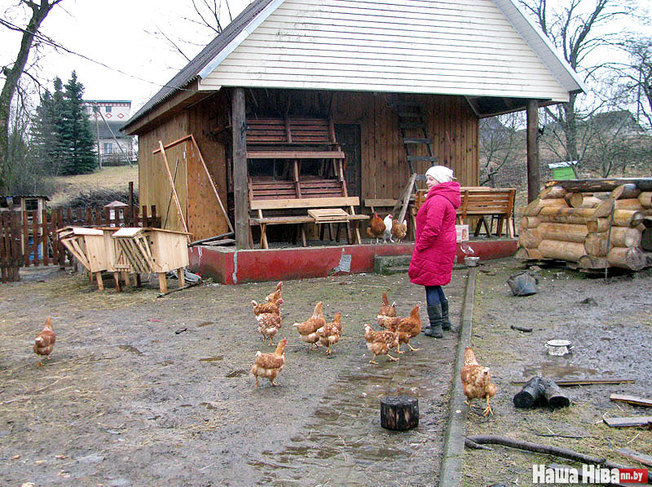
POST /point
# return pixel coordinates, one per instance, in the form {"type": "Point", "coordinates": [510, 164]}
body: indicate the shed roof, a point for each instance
{"type": "Point", "coordinates": [290, 24]}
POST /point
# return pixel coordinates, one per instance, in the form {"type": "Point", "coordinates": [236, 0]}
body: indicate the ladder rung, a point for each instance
{"type": "Point", "coordinates": [414, 140]}
{"type": "Point", "coordinates": [410, 115]}
{"type": "Point", "coordinates": [411, 125]}
{"type": "Point", "coordinates": [422, 158]}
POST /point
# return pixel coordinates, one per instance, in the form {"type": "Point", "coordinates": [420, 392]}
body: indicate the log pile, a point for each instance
{"type": "Point", "coordinates": [594, 224]}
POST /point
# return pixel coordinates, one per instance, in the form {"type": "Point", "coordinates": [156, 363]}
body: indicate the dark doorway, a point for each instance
{"type": "Point", "coordinates": [348, 136]}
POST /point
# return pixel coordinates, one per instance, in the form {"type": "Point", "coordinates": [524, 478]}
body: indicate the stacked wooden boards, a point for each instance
{"type": "Point", "coordinates": [593, 223]}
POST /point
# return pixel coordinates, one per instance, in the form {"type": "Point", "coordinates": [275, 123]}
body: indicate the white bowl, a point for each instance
{"type": "Point", "coordinates": [558, 347]}
{"type": "Point", "coordinates": [471, 261]}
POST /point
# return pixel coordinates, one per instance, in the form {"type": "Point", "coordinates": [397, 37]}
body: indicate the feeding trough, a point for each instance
{"type": "Point", "coordinates": [558, 347]}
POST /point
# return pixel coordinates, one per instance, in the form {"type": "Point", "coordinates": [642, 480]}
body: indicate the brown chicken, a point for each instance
{"type": "Point", "coordinates": [476, 381]}
{"type": "Point", "coordinates": [406, 328]}
{"type": "Point", "coordinates": [331, 333]}
{"type": "Point", "coordinates": [276, 295]}
{"type": "Point", "coordinates": [44, 341]}
{"type": "Point", "coordinates": [269, 307]}
{"type": "Point", "coordinates": [376, 227]}
{"type": "Point", "coordinates": [268, 325]}
{"type": "Point", "coordinates": [268, 365]}
{"type": "Point", "coordinates": [380, 343]}
{"type": "Point", "coordinates": [399, 230]}
{"type": "Point", "coordinates": [308, 329]}
{"type": "Point", "coordinates": [387, 309]}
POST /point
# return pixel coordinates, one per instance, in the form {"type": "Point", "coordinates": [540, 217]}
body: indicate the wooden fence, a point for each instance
{"type": "Point", "coordinates": [30, 238]}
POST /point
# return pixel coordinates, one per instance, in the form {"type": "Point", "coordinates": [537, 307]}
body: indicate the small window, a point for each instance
{"type": "Point", "coordinates": [108, 109]}
{"type": "Point", "coordinates": [31, 204]}
{"type": "Point", "coordinates": [108, 148]}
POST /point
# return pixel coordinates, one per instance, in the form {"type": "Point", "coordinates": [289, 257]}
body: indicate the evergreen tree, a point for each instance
{"type": "Point", "coordinates": [47, 143]}
{"type": "Point", "coordinates": [76, 131]}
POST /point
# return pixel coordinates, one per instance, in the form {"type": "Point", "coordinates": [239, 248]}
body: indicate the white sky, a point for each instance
{"type": "Point", "coordinates": [122, 35]}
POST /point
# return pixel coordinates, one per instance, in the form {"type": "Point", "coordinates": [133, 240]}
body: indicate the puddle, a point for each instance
{"type": "Point", "coordinates": [217, 358]}
{"type": "Point", "coordinates": [131, 349]}
{"type": "Point", "coordinates": [557, 371]}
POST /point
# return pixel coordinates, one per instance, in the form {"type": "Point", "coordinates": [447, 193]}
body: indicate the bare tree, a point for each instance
{"type": "Point", "coordinates": [500, 146]}
{"type": "Point", "coordinates": [636, 76]}
{"type": "Point", "coordinates": [13, 72]}
{"type": "Point", "coordinates": [577, 30]}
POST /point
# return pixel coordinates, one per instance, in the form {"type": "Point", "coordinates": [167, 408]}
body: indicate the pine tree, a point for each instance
{"type": "Point", "coordinates": [47, 143]}
{"type": "Point", "coordinates": [76, 131]}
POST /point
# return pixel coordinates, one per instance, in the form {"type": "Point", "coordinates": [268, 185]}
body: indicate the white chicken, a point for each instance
{"type": "Point", "coordinates": [387, 234]}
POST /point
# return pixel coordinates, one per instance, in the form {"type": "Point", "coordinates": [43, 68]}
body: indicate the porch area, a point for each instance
{"type": "Point", "coordinates": [232, 266]}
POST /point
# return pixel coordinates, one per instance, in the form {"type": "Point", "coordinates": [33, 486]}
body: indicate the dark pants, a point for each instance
{"type": "Point", "coordinates": [434, 295]}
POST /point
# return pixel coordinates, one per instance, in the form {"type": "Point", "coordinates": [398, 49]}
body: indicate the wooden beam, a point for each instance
{"type": "Point", "coordinates": [240, 193]}
{"type": "Point", "coordinates": [175, 196]}
{"type": "Point", "coordinates": [628, 421]}
{"type": "Point", "coordinates": [639, 401]}
{"type": "Point", "coordinates": [533, 172]}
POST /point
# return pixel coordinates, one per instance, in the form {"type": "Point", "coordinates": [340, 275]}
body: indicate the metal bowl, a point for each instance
{"type": "Point", "coordinates": [558, 347]}
{"type": "Point", "coordinates": [471, 261]}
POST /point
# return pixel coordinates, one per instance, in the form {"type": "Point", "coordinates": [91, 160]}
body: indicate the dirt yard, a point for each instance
{"type": "Point", "coordinates": [143, 390]}
{"type": "Point", "coordinates": [156, 391]}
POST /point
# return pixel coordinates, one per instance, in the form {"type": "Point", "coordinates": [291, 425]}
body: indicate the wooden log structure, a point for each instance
{"type": "Point", "coordinates": [566, 232]}
{"type": "Point", "coordinates": [598, 185]}
{"type": "Point", "coordinates": [399, 413]}
{"type": "Point", "coordinates": [540, 391]}
{"type": "Point", "coordinates": [552, 192]}
{"type": "Point", "coordinates": [555, 249]}
{"type": "Point", "coordinates": [555, 398]}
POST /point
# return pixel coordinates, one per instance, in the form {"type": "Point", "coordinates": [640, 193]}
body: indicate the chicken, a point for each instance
{"type": "Point", "coordinates": [331, 333]}
{"type": "Point", "coordinates": [380, 342]}
{"type": "Point", "coordinates": [387, 309]}
{"type": "Point", "coordinates": [44, 341]}
{"type": "Point", "coordinates": [376, 228]}
{"type": "Point", "coordinates": [276, 295]}
{"type": "Point", "coordinates": [406, 328]}
{"type": "Point", "coordinates": [476, 381]}
{"type": "Point", "coordinates": [387, 234]}
{"type": "Point", "coordinates": [308, 329]}
{"type": "Point", "coordinates": [399, 230]}
{"type": "Point", "coordinates": [268, 325]}
{"type": "Point", "coordinates": [269, 307]}
{"type": "Point", "coordinates": [269, 365]}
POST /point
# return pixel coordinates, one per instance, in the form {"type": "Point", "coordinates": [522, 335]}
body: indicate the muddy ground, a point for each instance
{"type": "Point", "coordinates": [151, 391]}
{"type": "Point", "coordinates": [148, 391]}
{"type": "Point", "coordinates": [610, 326]}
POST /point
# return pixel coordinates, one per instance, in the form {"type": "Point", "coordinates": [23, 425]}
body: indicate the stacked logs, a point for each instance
{"type": "Point", "coordinates": [593, 223]}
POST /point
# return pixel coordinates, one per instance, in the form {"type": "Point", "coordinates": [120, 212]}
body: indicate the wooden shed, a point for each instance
{"type": "Point", "coordinates": [400, 84]}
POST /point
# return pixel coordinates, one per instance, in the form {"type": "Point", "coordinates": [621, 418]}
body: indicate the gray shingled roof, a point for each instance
{"type": "Point", "coordinates": [192, 69]}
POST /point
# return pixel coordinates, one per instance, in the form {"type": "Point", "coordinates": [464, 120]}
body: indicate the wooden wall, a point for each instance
{"type": "Point", "coordinates": [452, 125]}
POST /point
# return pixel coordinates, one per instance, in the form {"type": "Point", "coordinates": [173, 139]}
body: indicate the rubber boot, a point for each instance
{"type": "Point", "coordinates": [435, 317]}
{"type": "Point", "coordinates": [446, 323]}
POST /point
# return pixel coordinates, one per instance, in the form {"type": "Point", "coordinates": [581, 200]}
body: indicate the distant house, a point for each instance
{"type": "Point", "coordinates": [107, 116]}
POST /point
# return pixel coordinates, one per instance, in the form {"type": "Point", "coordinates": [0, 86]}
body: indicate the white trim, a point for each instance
{"type": "Point", "coordinates": [231, 46]}
{"type": "Point", "coordinates": [558, 66]}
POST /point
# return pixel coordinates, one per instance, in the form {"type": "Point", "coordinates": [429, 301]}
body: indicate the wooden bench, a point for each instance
{"type": "Point", "coordinates": [275, 202]}
{"type": "Point", "coordinates": [496, 203]}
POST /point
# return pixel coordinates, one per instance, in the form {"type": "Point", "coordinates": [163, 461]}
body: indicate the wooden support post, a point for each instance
{"type": "Point", "coordinates": [100, 283]}
{"type": "Point", "coordinates": [240, 196]}
{"type": "Point", "coordinates": [116, 278]}
{"type": "Point", "coordinates": [182, 277]}
{"type": "Point", "coordinates": [533, 173]}
{"type": "Point", "coordinates": [175, 196]}
{"type": "Point", "coordinates": [162, 282]}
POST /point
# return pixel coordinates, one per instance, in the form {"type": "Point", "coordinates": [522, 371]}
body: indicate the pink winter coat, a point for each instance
{"type": "Point", "coordinates": [436, 241]}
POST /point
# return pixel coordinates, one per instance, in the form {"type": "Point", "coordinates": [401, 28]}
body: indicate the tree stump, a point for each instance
{"type": "Point", "coordinates": [554, 397]}
{"type": "Point", "coordinates": [399, 412]}
{"type": "Point", "coordinates": [531, 395]}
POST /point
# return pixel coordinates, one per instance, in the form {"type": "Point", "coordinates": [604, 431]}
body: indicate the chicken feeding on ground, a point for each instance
{"type": "Point", "coordinates": [380, 343]}
{"type": "Point", "coordinates": [376, 228]}
{"type": "Point", "coordinates": [268, 307]}
{"type": "Point", "coordinates": [387, 312]}
{"type": "Point", "coordinates": [268, 325]}
{"type": "Point", "coordinates": [387, 234]}
{"type": "Point", "coordinates": [331, 333]}
{"type": "Point", "coordinates": [44, 341]}
{"type": "Point", "coordinates": [399, 230]}
{"type": "Point", "coordinates": [406, 328]}
{"type": "Point", "coordinates": [476, 381]}
{"type": "Point", "coordinates": [308, 329]}
{"type": "Point", "coordinates": [268, 365]}
{"type": "Point", "coordinates": [276, 295]}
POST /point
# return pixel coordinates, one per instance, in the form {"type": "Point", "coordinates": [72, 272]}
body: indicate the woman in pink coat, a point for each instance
{"type": "Point", "coordinates": [435, 245]}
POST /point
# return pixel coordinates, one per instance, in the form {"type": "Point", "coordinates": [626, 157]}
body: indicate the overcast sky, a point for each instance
{"type": "Point", "coordinates": [124, 36]}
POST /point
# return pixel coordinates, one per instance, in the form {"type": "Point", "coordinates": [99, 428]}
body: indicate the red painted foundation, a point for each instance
{"type": "Point", "coordinates": [230, 266]}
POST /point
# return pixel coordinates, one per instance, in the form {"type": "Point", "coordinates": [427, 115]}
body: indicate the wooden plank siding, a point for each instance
{"type": "Point", "coordinates": [384, 171]}
{"type": "Point", "coordinates": [461, 47]}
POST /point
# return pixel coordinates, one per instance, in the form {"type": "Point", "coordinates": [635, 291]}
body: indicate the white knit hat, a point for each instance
{"type": "Point", "coordinates": [441, 174]}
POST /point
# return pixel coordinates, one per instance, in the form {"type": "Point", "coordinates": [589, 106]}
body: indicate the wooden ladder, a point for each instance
{"type": "Point", "coordinates": [412, 123]}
